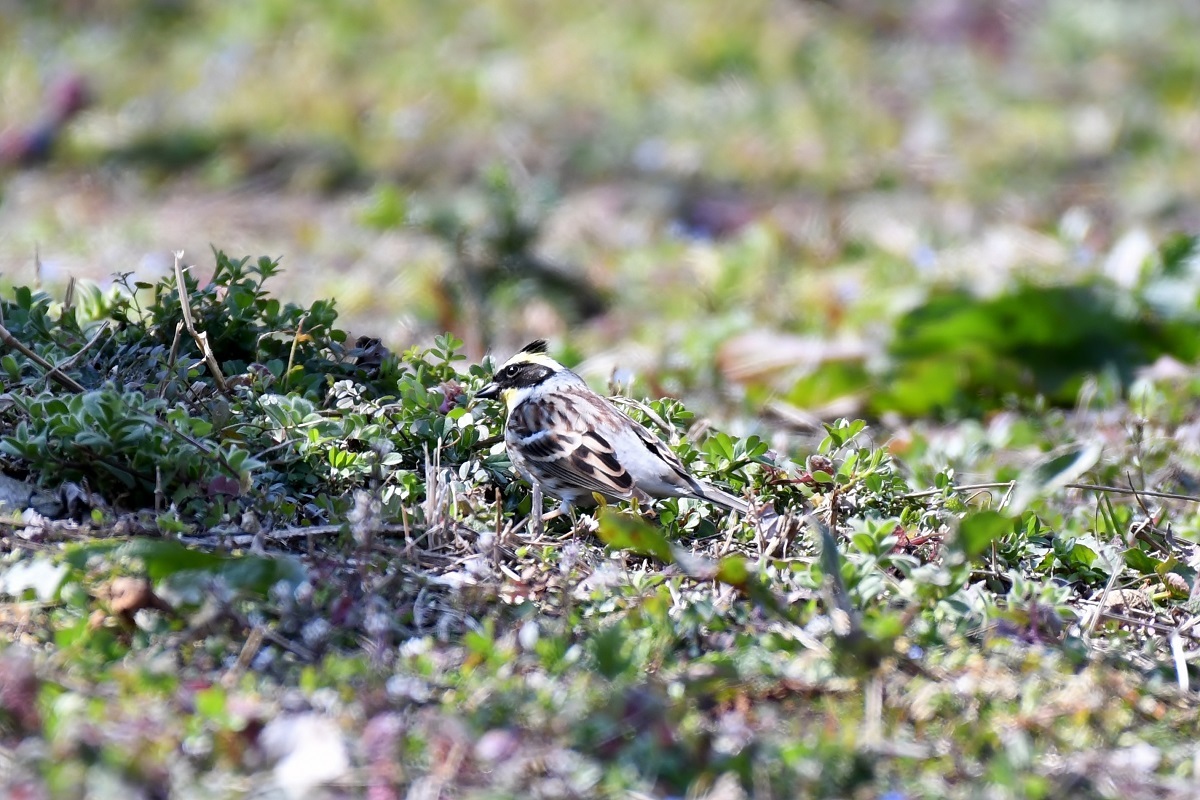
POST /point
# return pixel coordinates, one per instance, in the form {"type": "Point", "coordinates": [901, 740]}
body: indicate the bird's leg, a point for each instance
{"type": "Point", "coordinates": [537, 510]}
{"type": "Point", "coordinates": [570, 509]}
{"type": "Point", "coordinates": [564, 509]}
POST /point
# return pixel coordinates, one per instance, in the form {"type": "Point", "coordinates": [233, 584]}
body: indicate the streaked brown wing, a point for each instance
{"type": "Point", "coordinates": [558, 444]}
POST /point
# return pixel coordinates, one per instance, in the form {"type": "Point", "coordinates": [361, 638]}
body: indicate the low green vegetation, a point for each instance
{"type": "Point", "coordinates": [326, 548]}
{"type": "Point", "coordinates": [921, 281]}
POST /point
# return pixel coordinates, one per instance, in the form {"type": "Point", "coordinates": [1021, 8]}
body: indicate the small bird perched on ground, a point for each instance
{"type": "Point", "coordinates": [573, 443]}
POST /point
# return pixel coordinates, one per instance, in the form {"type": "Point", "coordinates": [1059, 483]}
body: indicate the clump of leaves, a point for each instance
{"type": "Point", "coordinates": [114, 393]}
{"type": "Point", "coordinates": [245, 325]}
{"type": "Point", "coordinates": [111, 438]}
{"type": "Point", "coordinates": [956, 354]}
{"type": "Point", "coordinates": [723, 612]}
{"type": "Point", "coordinates": [959, 353]}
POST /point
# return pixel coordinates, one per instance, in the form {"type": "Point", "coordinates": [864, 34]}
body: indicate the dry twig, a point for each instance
{"type": "Point", "coordinates": [200, 337]}
{"type": "Point", "coordinates": [51, 371]}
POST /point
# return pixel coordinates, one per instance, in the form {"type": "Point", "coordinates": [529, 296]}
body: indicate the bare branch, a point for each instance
{"type": "Point", "coordinates": [200, 337]}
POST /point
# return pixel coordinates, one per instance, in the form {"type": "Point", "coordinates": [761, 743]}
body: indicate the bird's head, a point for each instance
{"type": "Point", "coordinates": [526, 370]}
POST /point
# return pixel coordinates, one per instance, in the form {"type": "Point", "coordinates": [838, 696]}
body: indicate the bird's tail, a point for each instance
{"type": "Point", "coordinates": [722, 498]}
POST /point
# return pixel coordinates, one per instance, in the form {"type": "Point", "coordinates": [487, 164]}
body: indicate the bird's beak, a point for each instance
{"type": "Point", "coordinates": [488, 392]}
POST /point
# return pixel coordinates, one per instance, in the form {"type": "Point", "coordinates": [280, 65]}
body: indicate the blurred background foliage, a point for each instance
{"type": "Point", "coordinates": [784, 212]}
{"type": "Point", "coordinates": [873, 206]}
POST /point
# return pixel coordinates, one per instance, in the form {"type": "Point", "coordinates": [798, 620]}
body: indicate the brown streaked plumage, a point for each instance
{"type": "Point", "coordinates": [574, 443]}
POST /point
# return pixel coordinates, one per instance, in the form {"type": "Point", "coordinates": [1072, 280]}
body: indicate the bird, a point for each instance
{"type": "Point", "coordinates": [575, 444]}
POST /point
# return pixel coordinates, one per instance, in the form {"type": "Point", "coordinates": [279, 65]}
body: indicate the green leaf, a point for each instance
{"type": "Point", "coordinates": [1177, 252]}
{"type": "Point", "coordinates": [627, 532]}
{"type": "Point", "coordinates": [610, 652]}
{"type": "Point", "coordinates": [389, 208]}
{"type": "Point", "coordinates": [10, 366]}
{"type": "Point", "coordinates": [863, 542]}
{"type": "Point", "coordinates": [482, 641]}
{"type": "Point", "coordinates": [210, 703]}
{"type": "Point", "coordinates": [735, 571]}
{"type": "Point", "coordinates": [1081, 554]}
{"type": "Point", "coordinates": [977, 531]}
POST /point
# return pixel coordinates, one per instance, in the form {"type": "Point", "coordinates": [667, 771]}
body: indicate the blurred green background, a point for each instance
{"type": "Point", "coordinates": [764, 187]}
{"type": "Point", "coordinates": [783, 213]}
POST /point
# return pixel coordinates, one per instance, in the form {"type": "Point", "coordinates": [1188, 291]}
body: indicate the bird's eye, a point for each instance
{"type": "Point", "coordinates": [509, 372]}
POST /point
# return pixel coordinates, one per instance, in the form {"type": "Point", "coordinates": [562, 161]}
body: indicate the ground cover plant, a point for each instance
{"type": "Point", "coordinates": [228, 577]}
{"type": "Point", "coordinates": [919, 281]}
